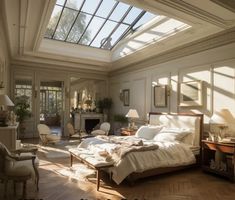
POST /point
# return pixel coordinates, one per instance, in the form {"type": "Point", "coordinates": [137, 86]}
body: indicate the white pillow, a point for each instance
{"type": "Point", "coordinates": [98, 132]}
{"type": "Point", "coordinates": [172, 134]}
{"type": "Point", "coordinates": [148, 132]}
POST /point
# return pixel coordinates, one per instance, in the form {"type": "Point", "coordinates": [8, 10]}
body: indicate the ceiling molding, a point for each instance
{"type": "Point", "coordinates": [37, 65]}
{"type": "Point", "coordinates": [49, 57]}
{"type": "Point", "coordinates": [47, 11]}
{"type": "Point", "coordinates": [210, 42]}
{"type": "Point", "coordinates": [197, 12]}
{"type": "Point", "coordinates": [227, 4]}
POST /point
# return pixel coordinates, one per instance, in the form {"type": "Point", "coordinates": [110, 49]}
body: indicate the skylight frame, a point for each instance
{"type": "Point", "coordinates": [107, 18]}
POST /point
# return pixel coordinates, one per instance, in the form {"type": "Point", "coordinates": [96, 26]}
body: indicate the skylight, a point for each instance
{"type": "Point", "coordinates": [95, 23]}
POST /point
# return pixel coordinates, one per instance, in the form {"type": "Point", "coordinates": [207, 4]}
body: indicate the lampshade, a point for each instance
{"type": "Point", "coordinates": [5, 100]}
{"type": "Point", "coordinates": [222, 116]}
{"type": "Point", "coordinates": [132, 113]}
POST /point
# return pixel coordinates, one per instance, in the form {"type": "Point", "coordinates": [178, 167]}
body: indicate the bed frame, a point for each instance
{"type": "Point", "coordinates": [171, 120]}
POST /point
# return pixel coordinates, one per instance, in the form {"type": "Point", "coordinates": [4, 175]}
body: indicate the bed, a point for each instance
{"type": "Point", "coordinates": [168, 143]}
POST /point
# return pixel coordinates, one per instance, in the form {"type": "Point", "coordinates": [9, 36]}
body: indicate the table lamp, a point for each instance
{"type": "Point", "coordinates": [5, 101]}
{"type": "Point", "coordinates": [221, 119]}
{"type": "Point", "coordinates": [132, 113]}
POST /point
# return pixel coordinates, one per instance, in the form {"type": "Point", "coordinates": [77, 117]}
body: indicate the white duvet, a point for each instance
{"type": "Point", "coordinates": [169, 154]}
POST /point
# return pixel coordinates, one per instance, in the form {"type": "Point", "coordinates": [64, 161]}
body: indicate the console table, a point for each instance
{"type": "Point", "coordinates": [8, 136]}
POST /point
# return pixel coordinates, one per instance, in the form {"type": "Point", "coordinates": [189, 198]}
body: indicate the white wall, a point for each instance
{"type": "Point", "coordinates": [216, 68]}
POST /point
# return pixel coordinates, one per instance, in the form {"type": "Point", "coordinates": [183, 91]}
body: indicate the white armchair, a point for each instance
{"type": "Point", "coordinates": [17, 167]}
{"type": "Point", "coordinates": [46, 135]}
{"type": "Point", "coordinates": [103, 130]}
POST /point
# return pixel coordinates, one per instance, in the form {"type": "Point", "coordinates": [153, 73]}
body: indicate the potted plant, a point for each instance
{"type": "Point", "coordinates": [120, 121]}
{"type": "Point", "coordinates": [22, 112]}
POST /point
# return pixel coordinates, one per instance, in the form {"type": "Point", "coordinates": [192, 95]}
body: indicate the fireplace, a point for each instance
{"type": "Point", "coordinates": [87, 121]}
{"type": "Point", "coordinates": [90, 124]}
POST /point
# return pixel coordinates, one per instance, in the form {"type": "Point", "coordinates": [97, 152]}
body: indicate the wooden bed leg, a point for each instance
{"type": "Point", "coordinates": [71, 160]}
{"type": "Point", "coordinates": [98, 179]}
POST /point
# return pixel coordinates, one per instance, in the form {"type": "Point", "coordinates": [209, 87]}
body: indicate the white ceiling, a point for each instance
{"type": "Point", "coordinates": [26, 21]}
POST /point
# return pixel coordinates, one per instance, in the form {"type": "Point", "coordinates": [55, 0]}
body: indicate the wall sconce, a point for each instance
{"type": "Point", "coordinates": [169, 90]}
{"type": "Point", "coordinates": [67, 91]}
{"type": "Point", "coordinates": [121, 95]}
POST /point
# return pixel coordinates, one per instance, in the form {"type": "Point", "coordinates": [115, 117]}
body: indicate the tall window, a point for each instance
{"type": "Point", "coordinates": [24, 88]}
{"type": "Point", "coordinates": [51, 99]}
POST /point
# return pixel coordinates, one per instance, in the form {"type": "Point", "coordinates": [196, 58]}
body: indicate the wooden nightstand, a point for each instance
{"type": "Point", "coordinates": [222, 152]}
{"type": "Point", "coordinates": [127, 132]}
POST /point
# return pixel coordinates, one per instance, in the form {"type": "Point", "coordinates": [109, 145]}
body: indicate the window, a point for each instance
{"type": "Point", "coordinates": [96, 23]}
{"type": "Point", "coordinates": [24, 88]}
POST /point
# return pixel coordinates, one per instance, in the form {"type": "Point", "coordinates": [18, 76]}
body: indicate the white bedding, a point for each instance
{"type": "Point", "coordinates": [169, 154]}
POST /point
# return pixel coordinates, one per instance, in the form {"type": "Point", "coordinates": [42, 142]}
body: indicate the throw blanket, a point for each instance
{"type": "Point", "coordinates": [124, 146]}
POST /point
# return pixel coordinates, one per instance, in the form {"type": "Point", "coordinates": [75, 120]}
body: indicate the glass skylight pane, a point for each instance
{"type": "Point", "coordinates": [79, 27]}
{"type": "Point", "coordinates": [104, 33]}
{"type": "Point", "coordinates": [75, 4]}
{"type": "Point", "coordinates": [116, 35]}
{"type": "Point", "coordinates": [146, 18]}
{"type": "Point", "coordinates": [53, 21]}
{"type": "Point", "coordinates": [132, 15]}
{"type": "Point", "coordinates": [105, 8]}
{"type": "Point", "coordinates": [60, 2]}
{"type": "Point", "coordinates": [119, 11]}
{"type": "Point", "coordinates": [93, 28]}
{"type": "Point", "coordinates": [90, 6]}
{"type": "Point", "coordinates": [66, 21]}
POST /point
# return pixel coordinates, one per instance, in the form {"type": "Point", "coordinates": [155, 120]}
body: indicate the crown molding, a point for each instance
{"type": "Point", "coordinates": [210, 42]}
{"type": "Point", "coordinates": [57, 65]}
{"type": "Point", "coordinates": [198, 13]}
{"type": "Point", "coordinates": [227, 4]}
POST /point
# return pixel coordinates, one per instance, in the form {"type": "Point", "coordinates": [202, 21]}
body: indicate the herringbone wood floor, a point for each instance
{"type": "Point", "coordinates": [185, 185]}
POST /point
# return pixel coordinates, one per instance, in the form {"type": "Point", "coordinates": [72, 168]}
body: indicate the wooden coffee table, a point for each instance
{"type": "Point", "coordinates": [98, 167]}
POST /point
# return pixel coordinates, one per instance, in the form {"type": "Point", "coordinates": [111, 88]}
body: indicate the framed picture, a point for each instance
{"type": "Point", "coordinates": [126, 97]}
{"type": "Point", "coordinates": [191, 93]}
{"type": "Point", "coordinates": [160, 95]}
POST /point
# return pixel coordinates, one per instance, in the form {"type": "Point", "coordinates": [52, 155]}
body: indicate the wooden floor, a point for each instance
{"type": "Point", "coordinates": [189, 184]}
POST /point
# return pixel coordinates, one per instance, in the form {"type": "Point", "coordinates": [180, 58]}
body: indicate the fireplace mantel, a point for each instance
{"type": "Point", "coordinates": [80, 118]}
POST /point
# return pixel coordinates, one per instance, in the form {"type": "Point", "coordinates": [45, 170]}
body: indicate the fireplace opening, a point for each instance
{"type": "Point", "coordinates": [90, 124]}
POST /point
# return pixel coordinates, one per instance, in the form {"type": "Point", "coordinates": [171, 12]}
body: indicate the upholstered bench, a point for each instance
{"type": "Point", "coordinates": [90, 159]}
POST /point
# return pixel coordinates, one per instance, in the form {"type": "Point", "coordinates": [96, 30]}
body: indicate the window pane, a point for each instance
{"type": "Point", "coordinates": [90, 6]}
{"type": "Point", "coordinates": [132, 15]}
{"type": "Point", "coordinates": [53, 21]}
{"type": "Point", "coordinates": [75, 4]}
{"type": "Point", "coordinates": [105, 8]}
{"type": "Point", "coordinates": [144, 19]}
{"type": "Point", "coordinates": [119, 11]}
{"type": "Point", "coordinates": [118, 33]}
{"type": "Point", "coordinates": [78, 28]}
{"type": "Point", "coordinates": [66, 21]}
{"type": "Point", "coordinates": [60, 2]}
{"type": "Point", "coordinates": [105, 31]}
{"type": "Point", "coordinates": [92, 30]}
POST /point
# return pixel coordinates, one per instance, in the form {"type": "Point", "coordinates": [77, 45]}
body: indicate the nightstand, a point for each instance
{"type": "Point", "coordinates": [127, 131]}
{"type": "Point", "coordinates": [219, 158]}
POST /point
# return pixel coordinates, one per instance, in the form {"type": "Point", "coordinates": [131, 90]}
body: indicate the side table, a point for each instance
{"type": "Point", "coordinates": [219, 158]}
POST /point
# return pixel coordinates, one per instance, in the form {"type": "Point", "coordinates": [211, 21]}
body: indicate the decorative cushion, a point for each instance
{"type": "Point", "coordinates": [148, 132]}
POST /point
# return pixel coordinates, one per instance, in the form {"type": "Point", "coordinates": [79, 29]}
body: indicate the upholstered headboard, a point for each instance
{"type": "Point", "coordinates": [180, 120]}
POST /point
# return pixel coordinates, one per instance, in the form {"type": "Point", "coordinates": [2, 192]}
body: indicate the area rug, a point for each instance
{"type": "Point", "coordinates": [78, 172]}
